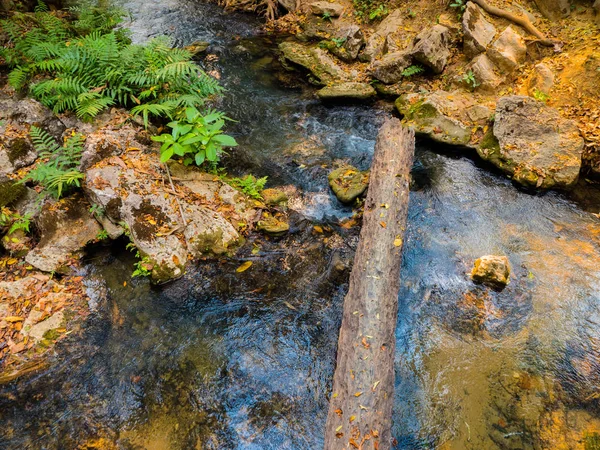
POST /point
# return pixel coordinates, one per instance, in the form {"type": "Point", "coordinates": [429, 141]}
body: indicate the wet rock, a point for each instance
{"type": "Point", "coordinates": [272, 225]}
{"type": "Point", "coordinates": [431, 48]}
{"type": "Point", "coordinates": [389, 69]}
{"type": "Point", "coordinates": [208, 233]}
{"type": "Point", "coordinates": [66, 227]}
{"type": "Point", "coordinates": [508, 51]}
{"type": "Point", "coordinates": [533, 143]}
{"type": "Point", "coordinates": [323, 68]}
{"type": "Point", "coordinates": [274, 197]}
{"type": "Point", "coordinates": [347, 91]}
{"type": "Point", "coordinates": [352, 39]}
{"type": "Point", "coordinates": [477, 31]}
{"type": "Point", "coordinates": [491, 270]}
{"type": "Point", "coordinates": [542, 79]}
{"type": "Point", "coordinates": [326, 8]}
{"type": "Point", "coordinates": [383, 34]}
{"type": "Point", "coordinates": [485, 73]}
{"type": "Point", "coordinates": [199, 47]}
{"type": "Point", "coordinates": [554, 9]}
{"type": "Point", "coordinates": [348, 183]}
{"type": "Point", "coordinates": [440, 115]}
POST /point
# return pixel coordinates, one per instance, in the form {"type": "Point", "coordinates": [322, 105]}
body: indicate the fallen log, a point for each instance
{"type": "Point", "coordinates": [360, 407]}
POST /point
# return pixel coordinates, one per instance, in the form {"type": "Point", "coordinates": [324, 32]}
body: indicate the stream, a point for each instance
{"type": "Point", "coordinates": [226, 360]}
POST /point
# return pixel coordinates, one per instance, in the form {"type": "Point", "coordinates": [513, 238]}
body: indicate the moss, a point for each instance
{"type": "Point", "coordinates": [161, 273]}
{"type": "Point", "coordinates": [10, 192]}
{"type": "Point", "coordinates": [19, 148]}
{"type": "Point", "coordinates": [489, 142]}
{"type": "Point", "coordinates": [51, 335]}
{"type": "Point", "coordinates": [272, 226]}
{"type": "Point", "coordinates": [209, 243]}
{"type": "Point", "coordinates": [348, 183]}
{"type": "Point", "coordinates": [591, 442]}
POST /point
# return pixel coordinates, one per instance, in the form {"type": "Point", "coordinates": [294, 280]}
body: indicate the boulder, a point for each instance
{"type": "Point", "coordinates": [554, 9]}
{"type": "Point", "coordinates": [322, 67]}
{"type": "Point", "coordinates": [108, 141]}
{"type": "Point", "coordinates": [492, 270]}
{"type": "Point", "coordinates": [347, 91]}
{"type": "Point", "coordinates": [431, 48]}
{"type": "Point", "coordinates": [508, 51]}
{"type": "Point", "coordinates": [151, 214]}
{"type": "Point", "coordinates": [30, 112]}
{"type": "Point", "coordinates": [541, 80]}
{"type": "Point", "coordinates": [66, 227]}
{"type": "Point", "coordinates": [383, 36]}
{"type": "Point", "coordinates": [446, 117]}
{"type": "Point", "coordinates": [534, 143]}
{"type": "Point", "coordinates": [485, 73]}
{"type": "Point", "coordinates": [477, 31]}
{"type": "Point", "coordinates": [352, 40]}
{"type": "Point", "coordinates": [389, 69]}
{"type": "Point", "coordinates": [348, 183]}
{"type": "Point", "coordinates": [326, 8]}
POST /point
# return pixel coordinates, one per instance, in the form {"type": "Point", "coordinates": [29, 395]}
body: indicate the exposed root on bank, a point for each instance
{"type": "Point", "coordinates": [268, 8]}
{"type": "Point", "coordinates": [521, 21]}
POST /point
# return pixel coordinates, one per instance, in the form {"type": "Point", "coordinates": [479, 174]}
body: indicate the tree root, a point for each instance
{"type": "Point", "coordinates": [522, 21]}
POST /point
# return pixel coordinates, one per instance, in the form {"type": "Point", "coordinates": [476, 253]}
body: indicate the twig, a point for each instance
{"type": "Point", "coordinates": [185, 222]}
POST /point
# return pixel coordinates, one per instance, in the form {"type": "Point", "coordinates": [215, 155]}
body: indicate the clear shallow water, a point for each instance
{"type": "Point", "coordinates": [244, 361]}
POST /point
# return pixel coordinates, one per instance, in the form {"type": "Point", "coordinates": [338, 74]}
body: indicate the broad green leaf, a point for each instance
{"type": "Point", "coordinates": [200, 156]}
{"type": "Point", "coordinates": [192, 140]}
{"type": "Point", "coordinates": [191, 114]}
{"type": "Point", "coordinates": [166, 155]}
{"type": "Point", "coordinates": [178, 149]}
{"type": "Point", "coordinates": [211, 152]}
{"type": "Point", "coordinates": [225, 140]}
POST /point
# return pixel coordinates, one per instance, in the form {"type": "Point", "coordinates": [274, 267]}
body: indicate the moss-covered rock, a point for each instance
{"type": "Point", "coordinates": [491, 270]}
{"type": "Point", "coordinates": [348, 183]}
{"type": "Point", "coordinates": [272, 225]}
{"type": "Point", "coordinates": [274, 197]}
{"type": "Point", "coordinates": [11, 192]}
{"type": "Point", "coordinates": [322, 67]}
{"type": "Point", "coordinates": [347, 92]}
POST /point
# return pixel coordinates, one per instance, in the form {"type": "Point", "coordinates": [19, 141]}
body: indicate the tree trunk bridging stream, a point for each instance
{"type": "Point", "coordinates": [360, 408]}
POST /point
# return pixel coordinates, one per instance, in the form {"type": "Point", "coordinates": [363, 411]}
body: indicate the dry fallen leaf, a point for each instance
{"type": "Point", "coordinates": [13, 319]}
{"type": "Point", "coordinates": [398, 241]}
{"type": "Point", "coordinates": [358, 394]}
{"type": "Point", "coordinates": [244, 267]}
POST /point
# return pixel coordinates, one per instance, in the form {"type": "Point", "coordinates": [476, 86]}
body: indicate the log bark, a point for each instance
{"type": "Point", "coordinates": [360, 407]}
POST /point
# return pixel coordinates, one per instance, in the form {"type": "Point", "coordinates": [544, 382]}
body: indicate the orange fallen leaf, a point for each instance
{"type": "Point", "coordinates": [352, 419]}
{"type": "Point", "coordinates": [383, 224]}
{"type": "Point", "coordinates": [13, 319]}
{"type": "Point", "coordinates": [358, 394]}
{"type": "Point", "coordinates": [318, 229]}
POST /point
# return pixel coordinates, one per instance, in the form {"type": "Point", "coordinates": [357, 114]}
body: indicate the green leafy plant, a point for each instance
{"type": "Point", "coordinates": [412, 71]}
{"type": "Point", "coordinates": [339, 41]}
{"type": "Point", "coordinates": [14, 221]}
{"type": "Point", "coordinates": [378, 13]}
{"type": "Point", "coordinates": [540, 96]}
{"type": "Point", "coordinates": [470, 80]}
{"type": "Point", "coordinates": [58, 172]}
{"type": "Point", "coordinates": [96, 210]}
{"type": "Point", "coordinates": [460, 6]}
{"type": "Point", "coordinates": [411, 14]}
{"type": "Point", "coordinates": [81, 64]}
{"type": "Point", "coordinates": [143, 267]}
{"type": "Point", "coordinates": [327, 16]}
{"type": "Point", "coordinates": [102, 235]}
{"type": "Point", "coordinates": [250, 185]}
{"type": "Point", "coordinates": [195, 138]}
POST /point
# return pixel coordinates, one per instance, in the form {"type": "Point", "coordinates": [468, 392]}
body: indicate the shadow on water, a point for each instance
{"type": "Point", "coordinates": [228, 360]}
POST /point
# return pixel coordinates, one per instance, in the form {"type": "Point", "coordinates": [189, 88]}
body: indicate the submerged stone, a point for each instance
{"type": "Point", "coordinates": [272, 225]}
{"type": "Point", "coordinates": [491, 270]}
{"type": "Point", "coordinates": [348, 183]}
{"type": "Point", "coordinates": [273, 197]}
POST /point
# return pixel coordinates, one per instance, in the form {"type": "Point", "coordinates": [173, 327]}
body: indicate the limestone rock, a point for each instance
{"type": "Point", "coordinates": [348, 183]}
{"type": "Point", "coordinates": [389, 69]}
{"type": "Point", "coordinates": [477, 30]}
{"type": "Point", "coordinates": [542, 79]}
{"type": "Point", "coordinates": [108, 141]}
{"type": "Point", "coordinates": [533, 143]}
{"type": "Point", "coordinates": [353, 40]}
{"type": "Point", "coordinates": [431, 48]}
{"type": "Point", "coordinates": [554, 9]}
{"type": "Point", "coordinates": [485, 73]}
{"type": "Point", "coordinates": [66, 227]}
{"type": "Point", "coordinates": [323, 68]}
{"type": "Point", "coordinates": [492, 270]}
{"type": "Point", "coordinates": [508, 51]}
{"type": "Point", "coordinates": [323, 8]}
{"type": "Point", "coordinates": [441, 116]}
{"type": "Point", "coordinates": [347, 91]}
{"type": "Point", "coordinates": [383, 34]}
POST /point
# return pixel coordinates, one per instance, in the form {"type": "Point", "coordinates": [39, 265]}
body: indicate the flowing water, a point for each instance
{"type": "Point", "coordinates": [226, 360]}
